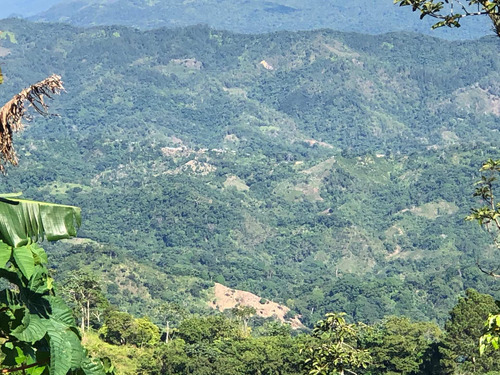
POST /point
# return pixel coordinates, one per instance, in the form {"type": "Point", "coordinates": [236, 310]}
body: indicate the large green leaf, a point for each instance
{"type": "Point", "coordinates": [60, 311]}
{"type": "Point", "coordinates": [92, 367]}
{"type": "Point", "coordinates": [23, 221]}
{"type": "Point", "coordinates": [24, 260]}
{"type": "Point", "coordinates": [32, 329]}
{"type": "Point", "coordinates": [5, 253]}
{"type": "Point", "coordinates": [39, 254]}
{"type": "Point", "coordinates": [77, 351]}
{"type": "Point", "coordinates": [38, 282]}
{"type": "Point", "coordinates": [61, 351]}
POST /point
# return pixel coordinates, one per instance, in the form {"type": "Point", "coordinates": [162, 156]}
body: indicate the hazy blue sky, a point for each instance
{"type": "Point", "coordinates": [24, 7]}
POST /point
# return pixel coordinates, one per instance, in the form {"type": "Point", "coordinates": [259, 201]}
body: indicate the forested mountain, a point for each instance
{"type": "Point", "coordinates": [257, 16]}
{"type": "Point", "coordinates": [328, 171]}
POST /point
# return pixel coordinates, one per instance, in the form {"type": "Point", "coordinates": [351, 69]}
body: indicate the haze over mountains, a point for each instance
{"type": "Point", "coordinates": [256, 16]}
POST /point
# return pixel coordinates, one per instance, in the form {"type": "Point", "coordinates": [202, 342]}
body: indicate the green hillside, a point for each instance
{"type": "Point", "coordinates": [338, 180]}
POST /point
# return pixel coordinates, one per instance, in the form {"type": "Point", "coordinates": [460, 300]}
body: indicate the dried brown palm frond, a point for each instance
{"type": "Point", "coordinates": [13, 112]}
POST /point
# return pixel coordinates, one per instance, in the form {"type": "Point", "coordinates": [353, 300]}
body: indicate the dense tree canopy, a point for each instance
{"type": "Point", "coordinates": [460, 347]}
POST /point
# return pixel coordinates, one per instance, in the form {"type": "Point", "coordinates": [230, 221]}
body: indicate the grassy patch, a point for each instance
{"type": "Point", "coordinates": [433, 210]}
{"type": "Point", "coordinates": [123, 357]}
{"type": "Point", "coordinates": [235, 181]}
{"type": "Point", "coordinates": [62, 188]}
{"type": "Point", "coordinates": [8, 34]}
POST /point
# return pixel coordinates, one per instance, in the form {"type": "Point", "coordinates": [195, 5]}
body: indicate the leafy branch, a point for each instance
{"type": "Point", "coordinates": [450, 12]}
{"type": "Point", "coordinates": [22, 368]}
{"type": "Point", "coordinates": [334, 348]}
{"type": "Point", "coordinates": [488, 215]}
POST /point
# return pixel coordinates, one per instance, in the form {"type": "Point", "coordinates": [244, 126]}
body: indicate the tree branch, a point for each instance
{"type": "Point", "coordinates": [487, 272]}
{"type": "Point", "coordinates": [22, 368]}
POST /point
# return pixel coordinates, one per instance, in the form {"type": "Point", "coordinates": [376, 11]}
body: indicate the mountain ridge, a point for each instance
{"type": "Point", "coordinates": [255, 17]}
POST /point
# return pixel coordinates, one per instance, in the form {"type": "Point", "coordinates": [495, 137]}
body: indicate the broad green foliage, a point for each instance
{"type": "Point", "coordinates": [394, 346]}
{"type": "Point", "coordinates": [334, 347]}
{"type": "Point", "coordinates": [198, 330]}
{"type": "Point", "coordinates": [37, 327]}
{"type": "Point", "coordinates": [460, 346]}
{"type": "Point", "coordinates": [23, 221]}
{"type": "Point", "coordinates": [215, 350]}
{"type": "Point", "coordinates": [491, 335]}
{"type": "Point", "coordinates": [121, 328]}
{"type": "Point", "coordinates": [400, 346]}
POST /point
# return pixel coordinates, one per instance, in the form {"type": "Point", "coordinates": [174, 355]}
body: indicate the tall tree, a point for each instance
{"type": "Point", "coordinates": [488, 214]}
{"type": "Point", "coordinates": [488, 217]}
{"type": "Point", "coordinates": [400, 346]}
{"type": "Point", "coordinates": [460, 349]}
{"type": "Point", "coordinates": [83, 289]}
{"type": "Point", "coordinates": [334, 348]}
{"type": "Point", "coordinates": [243, 314]}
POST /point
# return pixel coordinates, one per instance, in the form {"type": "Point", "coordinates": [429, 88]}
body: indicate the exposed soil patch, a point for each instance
{"type": "Point", "coordinates": [226, 298]}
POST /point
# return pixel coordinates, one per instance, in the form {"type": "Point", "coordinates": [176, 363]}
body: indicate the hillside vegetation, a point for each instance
{"type": "Point", "coordinates": [338, 180]}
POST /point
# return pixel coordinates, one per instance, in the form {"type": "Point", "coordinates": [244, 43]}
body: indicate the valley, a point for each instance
{"type": "Point", "coordinates": [307, 172]}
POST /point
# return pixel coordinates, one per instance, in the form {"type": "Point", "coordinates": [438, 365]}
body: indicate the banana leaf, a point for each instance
{"type": "Point", "coordinates": [25, 221]}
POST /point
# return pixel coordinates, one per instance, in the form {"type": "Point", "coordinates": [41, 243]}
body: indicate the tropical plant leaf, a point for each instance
{"type": "Point", "coordinates": [60, 349]}
{"type": "Point", "coordinates": [32, 329]}
{"type": "Point", "coordinates": [92, 367]}
{"type": "Point", "coordinates": [13, 355]}
{"type": "Point", "coordinates": [60, 311]}
{"type": "Point", "coordinates": [36, 370]}
{"type": "Point", "coordinates": [24, 221]}
{"type": "Point", "coordinates": [38, 282]}
{"type": "Point", "coordinates": [5, 253]}
{"type": "Point", "coordinates": [77, 351]}
{"type": "Point", "coordinates": [39, 254]}
{"type": "Point", "coordinates": [24, 260]}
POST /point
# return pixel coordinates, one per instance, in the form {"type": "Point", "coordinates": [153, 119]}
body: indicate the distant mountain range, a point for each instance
{"type": "Point", "coordinates": [256, 16]}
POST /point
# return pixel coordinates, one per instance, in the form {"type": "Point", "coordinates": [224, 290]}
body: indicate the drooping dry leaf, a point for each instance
{"type": "Point", "coordinates": [13, 112]}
